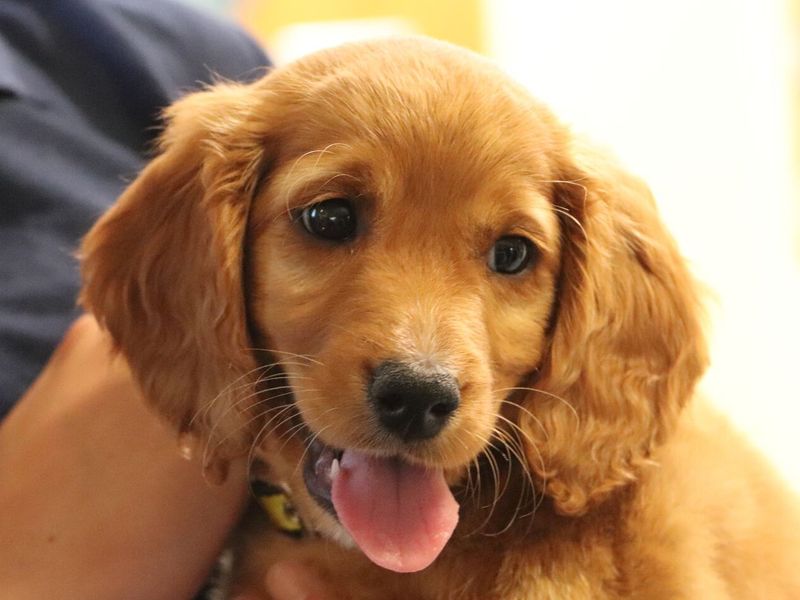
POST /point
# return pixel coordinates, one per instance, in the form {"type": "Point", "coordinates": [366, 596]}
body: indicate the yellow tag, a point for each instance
{"type": "Point", "coordinates": [279, 508]}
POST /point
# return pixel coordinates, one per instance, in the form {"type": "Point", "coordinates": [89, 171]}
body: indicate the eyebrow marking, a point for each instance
{"type": "Point", "coordinates": [305, 182]}
{"type": "Point", "coordinates": [319, 154]}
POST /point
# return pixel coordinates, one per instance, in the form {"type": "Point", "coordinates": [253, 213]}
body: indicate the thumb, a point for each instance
{"type": "Point", "coordinates": [288, 580]}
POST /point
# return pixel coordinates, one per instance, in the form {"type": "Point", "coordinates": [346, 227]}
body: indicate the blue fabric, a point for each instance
{"type": "Point", "coordinates": [82, 83]}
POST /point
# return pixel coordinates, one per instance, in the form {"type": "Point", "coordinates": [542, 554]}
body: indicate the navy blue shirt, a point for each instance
{"type": "Point", "coordinates": [82, 83]}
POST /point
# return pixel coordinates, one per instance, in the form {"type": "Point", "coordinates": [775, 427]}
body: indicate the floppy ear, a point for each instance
{"type": "Point", "coordinates": [627, 345]}
{"type": "Point", "coordinates": [162, 269]}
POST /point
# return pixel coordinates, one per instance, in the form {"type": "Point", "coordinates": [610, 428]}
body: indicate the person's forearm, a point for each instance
{"type": "Point", "coordinates": [95, 499]}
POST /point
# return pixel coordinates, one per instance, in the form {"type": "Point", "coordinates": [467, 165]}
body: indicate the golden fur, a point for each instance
{"type": "Point", "coordinates": [584, 463]}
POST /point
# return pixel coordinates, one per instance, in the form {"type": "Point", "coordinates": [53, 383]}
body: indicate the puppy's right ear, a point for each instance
{"type": "Point", "coordinates": [162, 269]}
{"type": "Point", "coordinates": [627, 347]}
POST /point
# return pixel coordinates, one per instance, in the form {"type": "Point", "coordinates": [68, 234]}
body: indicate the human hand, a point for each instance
{"type": "Point", "coordinates": [96, 500]}
{"type": "Point", "coordinates": [289, 580]}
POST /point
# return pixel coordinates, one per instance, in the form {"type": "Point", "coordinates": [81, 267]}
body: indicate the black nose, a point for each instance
{"type": "Point", "coordinates": [411, 403]}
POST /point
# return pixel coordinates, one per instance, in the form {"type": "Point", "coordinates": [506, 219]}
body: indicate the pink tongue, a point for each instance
{"type": "Point", "coordinates": [400, 515]}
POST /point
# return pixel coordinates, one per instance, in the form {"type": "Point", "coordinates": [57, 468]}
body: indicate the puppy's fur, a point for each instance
{"type": "Point", "coordinates": [584, 464]}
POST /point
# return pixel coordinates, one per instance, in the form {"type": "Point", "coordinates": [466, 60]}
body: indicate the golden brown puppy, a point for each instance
{"type": "Point", "coordinates": [463, 342]}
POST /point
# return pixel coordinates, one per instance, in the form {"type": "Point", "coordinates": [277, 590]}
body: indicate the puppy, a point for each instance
{"type": "Point", "coordinates": [460, 339]}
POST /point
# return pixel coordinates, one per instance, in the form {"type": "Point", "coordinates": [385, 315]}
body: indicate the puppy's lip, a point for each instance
{"type": "Point", "coordinates": [318, 471]}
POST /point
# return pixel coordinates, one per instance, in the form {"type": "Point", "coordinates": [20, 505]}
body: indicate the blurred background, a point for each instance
{"type": "Point", "coordinates": [699, 97]}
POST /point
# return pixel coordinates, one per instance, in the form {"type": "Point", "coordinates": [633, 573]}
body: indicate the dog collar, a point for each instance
{"type": "Point", "coordinates": [277, 504]}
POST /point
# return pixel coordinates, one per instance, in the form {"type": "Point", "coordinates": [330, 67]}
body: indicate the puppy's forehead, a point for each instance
{"type": "Point", "coordinates": [424, 120]}
{"type": "Point", "coordinates": [413, 102]}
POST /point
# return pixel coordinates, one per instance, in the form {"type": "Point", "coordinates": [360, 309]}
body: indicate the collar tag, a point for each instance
{"type": "Point", "coordinates": [277, 504]}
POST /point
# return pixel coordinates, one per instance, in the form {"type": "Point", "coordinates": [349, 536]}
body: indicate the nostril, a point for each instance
{"type": "Point", "coordinates": [442, 409]}
{"type": "Point", "coordinates": [391, 404]}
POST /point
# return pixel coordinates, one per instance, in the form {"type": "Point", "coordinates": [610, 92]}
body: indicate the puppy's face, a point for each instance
{"type": "Point", "coordinates": [403, 258]}
{"type": "Point", "coordinates": [351, 264]}
{"type": "Point", "coordinates": [404, 297]}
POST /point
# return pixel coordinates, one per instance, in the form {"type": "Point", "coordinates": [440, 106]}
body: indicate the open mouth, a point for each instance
{"type": "Point", "coordinates": [320, 466]}
{"type": "Point", "coordinates": [399, 514]}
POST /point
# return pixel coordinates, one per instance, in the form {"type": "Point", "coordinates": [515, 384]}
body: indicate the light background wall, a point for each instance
{"type": "Point", "coordinates": [700, 97]}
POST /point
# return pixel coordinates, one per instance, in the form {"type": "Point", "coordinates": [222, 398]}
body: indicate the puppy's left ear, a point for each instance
{"type": "Point", "coordinates": [627, 346]}
{"type": "Point", "coordinates": [162, 269]}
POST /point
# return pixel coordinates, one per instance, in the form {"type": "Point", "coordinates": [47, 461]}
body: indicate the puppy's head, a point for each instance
{"type": "Point", "coordinates": [381, 261]}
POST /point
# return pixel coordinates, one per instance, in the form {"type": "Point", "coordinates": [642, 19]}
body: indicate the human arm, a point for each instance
{"type": "Point", "coordinates": [97, 502]}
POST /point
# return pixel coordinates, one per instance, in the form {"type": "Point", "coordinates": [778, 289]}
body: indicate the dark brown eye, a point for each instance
{"type": "Point", "coordinates": [511, 254]}
{"type": "Point", "coordinates": [333, 219]}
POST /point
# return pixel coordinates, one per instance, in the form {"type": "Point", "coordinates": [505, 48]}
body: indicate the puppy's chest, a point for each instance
{"type": "Point", "coordinates": [476, 567]}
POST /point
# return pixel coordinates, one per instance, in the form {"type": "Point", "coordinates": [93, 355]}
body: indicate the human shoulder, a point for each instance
{"type": "Point", "coordinates": [193, 44]}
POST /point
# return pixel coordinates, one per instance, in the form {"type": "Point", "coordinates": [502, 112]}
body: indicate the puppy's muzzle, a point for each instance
{"type": "Point", "coordinates": [412, 403]}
